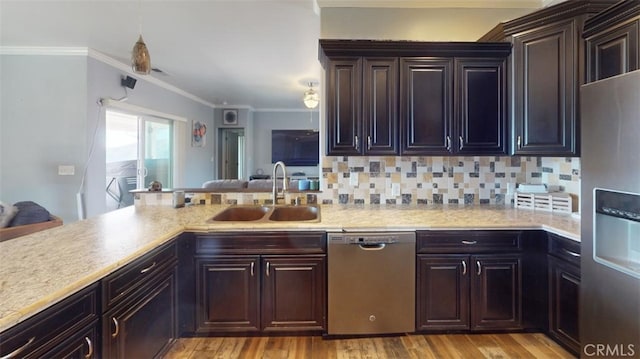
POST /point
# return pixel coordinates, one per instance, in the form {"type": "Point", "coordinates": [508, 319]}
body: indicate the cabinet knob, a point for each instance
{"type": "Point", "coordinates": [268, 266]}
{"type": "Point", "coordinates": [464, 267]}
{"type": "Point", "coordinates": [357, 143]}
{"type": "Point", "coordinates": [448, 143]}
{"type": "Point", "coordinates": [252, 266]}
{"type": "Point", "coordinates": [461, 144]}
{"type": "Point", "coordinates": [479, 267]}
{"type": "Point", "coordinates": [368, 142]}
{"type": "Point", "coordinates": [519, 142]}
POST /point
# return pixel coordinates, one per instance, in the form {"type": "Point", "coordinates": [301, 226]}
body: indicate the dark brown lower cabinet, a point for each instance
{"type": "Point", "coordinates": [66, 330]}
{"type": "Point", "coordinates": [564, 298]}
{"type": "Point", "coordinates": [469, 292]}
{"type": "Point", "coordinates": [143, 325]}
{"type": "Point", "coordinates": [251, 293]}
{"type": "Point", "coordinates": [293, 293]}
{"type": "Point", "coordinates": [227, 294]}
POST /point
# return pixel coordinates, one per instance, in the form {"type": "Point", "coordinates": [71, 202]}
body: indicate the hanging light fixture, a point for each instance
{"type": "Point", "coordinates": [311, 98]}
{"type": "Point", "coordinates": [140, 60]}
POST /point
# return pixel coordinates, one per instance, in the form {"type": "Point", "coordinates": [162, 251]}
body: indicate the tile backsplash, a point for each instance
{"type": "Point", "coordinates": [440, 180]}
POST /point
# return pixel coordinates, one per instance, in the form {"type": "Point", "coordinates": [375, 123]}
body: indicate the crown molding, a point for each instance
{"type": "Point", "coordinates": [293, 110]}
{"type": "Point", "coordinates": [99, 56]}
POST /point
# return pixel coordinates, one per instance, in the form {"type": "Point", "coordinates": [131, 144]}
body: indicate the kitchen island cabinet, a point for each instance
{"type": "Point", "coordinates": [68, 329]}
{"type": "Point", "coordinates": [140, 304]}
{"type": "Point", "coordinates": [262, 282]}
{"type": "Point", "coordinates": [462, 288]}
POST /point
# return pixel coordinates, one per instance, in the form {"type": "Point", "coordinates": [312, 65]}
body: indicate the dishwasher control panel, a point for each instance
{"type": "Point", "coordinates": [371, 238]}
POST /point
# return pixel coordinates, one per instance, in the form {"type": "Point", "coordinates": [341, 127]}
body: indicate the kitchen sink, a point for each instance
{"type": "Point", "coordinates": [294, 213]}
{"type": "Point", "coordinates": [241, 214]}
{"type": "Point", "coordinates": [286, 213]}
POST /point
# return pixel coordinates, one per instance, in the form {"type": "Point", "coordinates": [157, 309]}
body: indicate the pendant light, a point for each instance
{"type": "Point", "coordinates": [140, 60]}
{"type": "Point", "coordinates": [311, 98]}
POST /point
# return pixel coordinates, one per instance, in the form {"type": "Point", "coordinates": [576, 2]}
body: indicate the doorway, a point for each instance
{"type": "Point", "coordinates": [232, 153]}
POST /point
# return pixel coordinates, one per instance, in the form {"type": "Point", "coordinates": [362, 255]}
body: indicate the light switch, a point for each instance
{"type": "Point", "coordinates": [66, 170]}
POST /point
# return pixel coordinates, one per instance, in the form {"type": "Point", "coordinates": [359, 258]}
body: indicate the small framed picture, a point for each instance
{"type": "Point", "coordinates": [198, 134]}
{"type": "Point", "coordinates": [230, 117]}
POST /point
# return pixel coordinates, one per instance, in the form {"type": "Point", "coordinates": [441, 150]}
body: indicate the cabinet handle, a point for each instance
{"type": "Point", "coordinates": [448, 143]}
{"type": "Point", "coordinates": [117, 327]}
{"type": "Point", "coordinates": [464, 267]}
{"type": "Point", "coordinates": [252, 265]}
{"type": "Point", "coordinates": [368, 142]}
{"type": "Point", "coordinates": [479, 267]}
{"type": "Point", "coordinates": [148, 268]}
{"type": "Point", "coordinates": [519, 142]}
{"type": "Point", "coordinates": [14, 354]}
{"type": "Point", "coordinates": [469, 242]}
{"type": "Point", "coordinates": [573, 254]}
{"type": "Point", "coordinates": [268, 265]}
{"type": "Point", "coordinates": [461, 142]}
{"type": "Point", "coordinates": [90, 345]}
{"type": "Point", "coordinates": [357, 143]}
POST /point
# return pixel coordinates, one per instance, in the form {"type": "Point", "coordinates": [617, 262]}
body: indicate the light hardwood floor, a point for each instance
{"type": "Point", "coordinates": [474, 346]}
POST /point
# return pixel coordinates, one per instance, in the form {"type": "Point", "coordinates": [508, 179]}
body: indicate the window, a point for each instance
{"type": "Point", "coordinates": [139, 150]}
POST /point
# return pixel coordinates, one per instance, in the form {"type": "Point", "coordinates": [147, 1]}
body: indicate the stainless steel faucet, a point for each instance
{"type": "Point", "coordinates": [276, 197]}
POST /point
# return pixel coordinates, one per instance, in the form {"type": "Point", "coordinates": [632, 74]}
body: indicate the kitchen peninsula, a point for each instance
{"type": "Point", "coordinates": [41, 269]}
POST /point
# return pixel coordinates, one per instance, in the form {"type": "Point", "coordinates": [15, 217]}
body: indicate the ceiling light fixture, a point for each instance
{"type": "Point", "coordinates": [311, 98]}
{"type": "Point", "coordinates": [140, 60]}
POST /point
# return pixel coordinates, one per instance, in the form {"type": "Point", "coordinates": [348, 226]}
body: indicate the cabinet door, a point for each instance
{"type": "Point", "coordinates": [294, 292]}
{"type": "Point", "coordinates": [82, 345]}
{"type": "Point", "coordinates": [344, 101]}
{"type": "Point", "coordinates": [564, 303]}
{"type": "Point", "coordinates": [545, 90]}
{"type": "Point", "coordinates": [481, 107]}
{"type": "Point", "coordinates": [380, 106]}
{"type": "Point", "coordinates": [142, 327]}
{"type": "Point", "coordinates": [613, 52]}
{"type": "Point", "coordinates": [496, 292]}
{"type": "Point", "coordinates": [426, 106]}
{"type": "Point", "coordinates": [227, 294]}
{"type": "Point", "coordinates": [443, 292]}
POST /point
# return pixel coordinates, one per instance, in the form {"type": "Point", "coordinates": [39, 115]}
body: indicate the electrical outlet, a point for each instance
{"type": "Point", "coordinates": [353, 179]}
{"type": "Point", "coordinates": [66, 170]}
{"type": "Point", "coordinates": [395, 189]}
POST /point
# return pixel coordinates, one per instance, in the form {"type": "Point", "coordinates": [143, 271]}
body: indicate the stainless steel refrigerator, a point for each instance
{"type": "Point", "coordinates": [610, 217]}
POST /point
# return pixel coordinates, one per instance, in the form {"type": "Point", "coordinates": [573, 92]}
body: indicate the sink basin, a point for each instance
{"type": "Point", "coordinates": [294, 213]}
{"type": "Point", "coordinates": [242, 214]}
{"type": "Point", "coordinates": [268, 214]}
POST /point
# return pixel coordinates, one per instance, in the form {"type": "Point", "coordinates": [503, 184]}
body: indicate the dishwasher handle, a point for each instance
{"type": "Point", "coordinates": [372, 247]}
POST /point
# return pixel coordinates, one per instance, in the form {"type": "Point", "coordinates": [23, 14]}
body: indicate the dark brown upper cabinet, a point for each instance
{"type": "Point", "coordinates": [612, 41]}
{"type": "Point", "coordinates": [415, 98]}
{"type": "Point", "coordinates": [363, 106]}
{"type": "Point", "coordinates": [545, 75]}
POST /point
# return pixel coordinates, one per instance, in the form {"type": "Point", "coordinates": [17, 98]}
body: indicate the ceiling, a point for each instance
{"type": "Point", "coordinates": [258, 54]}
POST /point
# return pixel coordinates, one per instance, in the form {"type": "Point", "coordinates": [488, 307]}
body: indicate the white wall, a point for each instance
{"type": "Point", "coordinates": [264, 122]}
{"type": "Point", "coordinates": [48, 118]}
{"type": "Point", "coordinates": [42, 125]}
{"type": "Point", "coordinates": [428, 24]}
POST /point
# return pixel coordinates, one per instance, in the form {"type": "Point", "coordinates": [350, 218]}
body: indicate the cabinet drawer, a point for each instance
{"type": "Point", "coordinates": [261, 243]}
{"type": "Point", "coordinates": [51, 327]}
{"type": "Point", "coordinates": [468, 241]}
{"type": "Point", "coordinates": [119, 284]}
{"type": "Point", "coordinates": [564, 248]}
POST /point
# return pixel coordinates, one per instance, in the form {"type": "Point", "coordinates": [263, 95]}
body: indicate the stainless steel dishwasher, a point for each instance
{"type": "Point", "coordinates": [371, 283]}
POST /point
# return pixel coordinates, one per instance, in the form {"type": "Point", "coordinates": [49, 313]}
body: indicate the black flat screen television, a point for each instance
{"type": "Point", "coordinates": [295, 147]}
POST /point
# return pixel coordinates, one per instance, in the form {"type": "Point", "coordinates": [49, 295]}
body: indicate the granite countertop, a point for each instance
{"type": "Point", "coordinates": [40, 269]}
